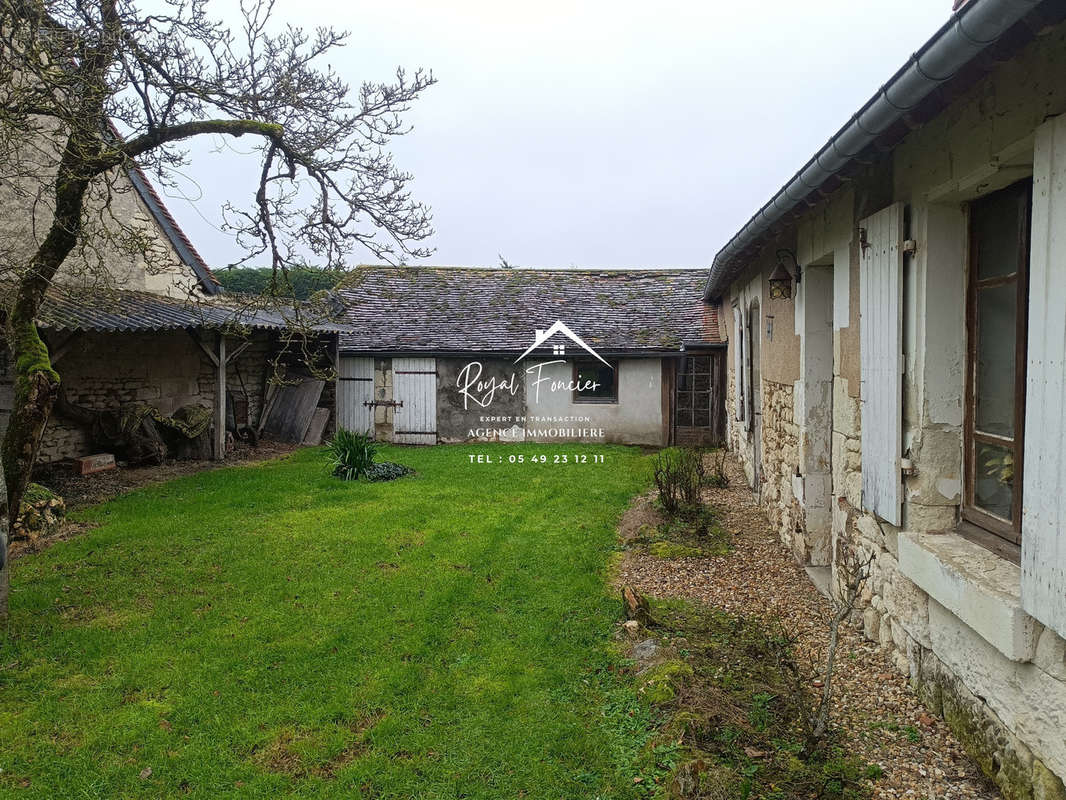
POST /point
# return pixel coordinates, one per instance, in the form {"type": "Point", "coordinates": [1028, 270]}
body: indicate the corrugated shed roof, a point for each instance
{"type": "Point", "coordinates": [70, 309]}
{"type": "Point", "coordinates": [463, 309]}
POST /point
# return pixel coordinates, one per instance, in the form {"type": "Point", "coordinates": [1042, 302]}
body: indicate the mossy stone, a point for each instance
{"type": "Point", "coordinates": [662, 681]}
{"type": "Point", "coordinates": [1046, 784]}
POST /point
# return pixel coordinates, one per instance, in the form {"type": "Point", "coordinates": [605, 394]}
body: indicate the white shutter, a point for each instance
{"type": "Point", "coordinates": [881, 342]}
{"type": "Point", "coordinates": [355, 388]}
{"type": "Point", "coordinates": [1044, 479]}
{"type": "Point", "coordinates": [738, 363]}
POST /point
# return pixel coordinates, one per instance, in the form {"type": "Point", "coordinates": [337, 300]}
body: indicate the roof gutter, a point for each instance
{"type": "Point", "coordinates": [968, 32]}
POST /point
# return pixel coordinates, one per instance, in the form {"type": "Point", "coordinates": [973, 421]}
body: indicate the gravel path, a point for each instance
{"type": "Point", "coordinates": [873, 704]}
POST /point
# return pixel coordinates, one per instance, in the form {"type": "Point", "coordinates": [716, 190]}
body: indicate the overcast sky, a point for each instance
{"type": "Point", "coordinates": [598, 134]}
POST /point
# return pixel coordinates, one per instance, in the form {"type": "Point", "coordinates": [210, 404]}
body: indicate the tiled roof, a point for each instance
{"type": "Point", "coordinates": [453, 309]}
{"type": "Point", "coordinates": [69, 309]}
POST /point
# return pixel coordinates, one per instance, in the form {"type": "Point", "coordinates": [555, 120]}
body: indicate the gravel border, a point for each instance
{"type": "Point", "coordinates": [874, 705]}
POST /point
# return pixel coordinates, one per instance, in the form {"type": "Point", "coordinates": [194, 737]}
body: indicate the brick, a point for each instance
{"type": "Point", "coordinates": [86, 465]}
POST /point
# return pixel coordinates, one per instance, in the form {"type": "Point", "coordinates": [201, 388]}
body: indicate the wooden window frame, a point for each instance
{"type": "Point", "coordinates": [1007, 530]}
{"type": "Point", "coordinates": [613, 399]}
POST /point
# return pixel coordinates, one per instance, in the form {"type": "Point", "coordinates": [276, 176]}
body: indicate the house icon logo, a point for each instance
{"type": "Point", "coordinates": [560, 349]}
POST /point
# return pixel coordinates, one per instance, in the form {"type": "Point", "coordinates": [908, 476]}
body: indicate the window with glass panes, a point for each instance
{"type": "Point", "coordinates": [995, 375]}
{"type": "Point", "coordinates": [693, 407]}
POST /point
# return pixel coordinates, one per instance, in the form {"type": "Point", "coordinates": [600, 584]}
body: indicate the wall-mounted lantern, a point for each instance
{"type": "Point", "coordinates": [781, 277]}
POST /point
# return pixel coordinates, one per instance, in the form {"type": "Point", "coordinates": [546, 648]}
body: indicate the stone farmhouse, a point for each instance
{"type": "Point", "coordinates": [883, 346]}
{"type": "Point", "coordinates": [896, 357]}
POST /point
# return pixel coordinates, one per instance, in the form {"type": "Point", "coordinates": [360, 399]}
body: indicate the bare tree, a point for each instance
{"type": "Point", "coordinates": [853, 566]}
{"type": "Point", "coordinates": [89, 88]}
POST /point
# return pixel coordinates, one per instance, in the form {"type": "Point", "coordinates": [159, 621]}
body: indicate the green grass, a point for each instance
{"type": "Point", "coordinates": [269, 629]}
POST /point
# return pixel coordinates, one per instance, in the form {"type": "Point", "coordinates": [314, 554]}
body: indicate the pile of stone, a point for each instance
{"type": "Point", "coordinates": [41, 514]}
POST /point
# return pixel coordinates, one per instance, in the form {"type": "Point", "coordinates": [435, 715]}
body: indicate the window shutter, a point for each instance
{"type": "Point", "coordinates": [881, 342]}
{"type": "Point", "coordinates": [738, 363]}
{"type": "Point", "coordinates": [1044, 479]}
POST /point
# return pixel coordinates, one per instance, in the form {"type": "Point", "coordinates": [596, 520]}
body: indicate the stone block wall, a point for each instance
{"type": "Point", "coordinates": [1010, 714]}
{"type": "Point", "coordinates": [1007, 709]}
{"type": "Point", "coordinates": [165, 369]}
{"type": "Point", "coordinates": [384, 416]}
{"type": "Point", "coordinates": [780, 457]}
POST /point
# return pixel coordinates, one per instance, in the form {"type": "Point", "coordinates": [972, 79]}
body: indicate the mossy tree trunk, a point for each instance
{"type": "Point", "coordinates": [36, 382]}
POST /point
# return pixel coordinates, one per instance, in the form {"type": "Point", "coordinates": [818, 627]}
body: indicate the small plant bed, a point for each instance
{"type": "Point", "coordinates": [353, 456]}
{"type": "Point", "coordinates": [676, 521]}
{"type": "Point", "coordinates": [682, 537]}
{"type": "Point", "coordinates": [731, 711]}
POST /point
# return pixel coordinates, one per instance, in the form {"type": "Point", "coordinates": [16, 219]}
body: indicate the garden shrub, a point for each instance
{"type": "Point", "coordinates": [387, 471]}
{"type": "Point", "coordinates": [353, 458]}
{"type": "Point", "coordinates": [679, 476]}
{"type": "Point", "coordinates": [718, 477]}
{"type": "Point", "coordinates": [352, 453]}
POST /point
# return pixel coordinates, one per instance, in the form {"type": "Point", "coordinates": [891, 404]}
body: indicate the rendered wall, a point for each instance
{"type": "Point", "coordinates": [461, 417]}
{"type": "Point", "coordinates": [637, 417]}
{"type": "Point", "coordinates": [113, 259]}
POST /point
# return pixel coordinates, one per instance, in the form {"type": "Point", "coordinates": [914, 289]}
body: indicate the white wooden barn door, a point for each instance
{"type": "Point", "coordinates": [881, 342]}
{"type": "Point", "coordinates": [414, 383]}
{"type": "Point", "coordinates": [355, 388]}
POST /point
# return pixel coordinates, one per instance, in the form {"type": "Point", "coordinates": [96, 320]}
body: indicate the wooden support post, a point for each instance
{"type": "Point", "coordinates": [337, 381]}
{"type": "Point", "coordinates": [199, 343]}
{"type": "Point", "coordinates": [220, 401]}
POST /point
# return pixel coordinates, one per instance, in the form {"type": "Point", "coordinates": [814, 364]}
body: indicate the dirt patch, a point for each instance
{"type": "Point", "coordinates": [642, 514]}
{"type": "Point", "coordinates": [66, 530]}
{"type": "Point", "coordinates": [80, 491]}
{"type": "Point", "coordinates": [883, 720]}
{"type": "Point", "coordinates": [302, 753]}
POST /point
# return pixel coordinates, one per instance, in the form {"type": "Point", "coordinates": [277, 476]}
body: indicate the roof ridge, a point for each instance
{"type": "Point", "coordinates": [527, 270]}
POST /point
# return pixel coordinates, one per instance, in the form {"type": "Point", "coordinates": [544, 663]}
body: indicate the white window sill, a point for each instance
{"type": "Point", "coordinates": [980, 588]}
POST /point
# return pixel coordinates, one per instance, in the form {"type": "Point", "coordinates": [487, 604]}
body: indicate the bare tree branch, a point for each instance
{"type": "Point", "coordinates": [90, 89]}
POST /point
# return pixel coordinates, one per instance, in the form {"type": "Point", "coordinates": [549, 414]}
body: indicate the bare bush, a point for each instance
{"type": "Point", "coordinates": [718, 477]}
{"type": "Point", "coordinates": [680, 476]}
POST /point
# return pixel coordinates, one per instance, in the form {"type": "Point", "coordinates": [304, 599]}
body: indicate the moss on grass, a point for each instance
{"type": "Point", "coordinates": [662, 682]}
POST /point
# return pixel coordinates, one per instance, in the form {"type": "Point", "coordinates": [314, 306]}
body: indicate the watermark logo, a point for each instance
{"type": "Point", "coordinates": [475, 388]}
{"type": "Point", "coordinates": [560, 349]}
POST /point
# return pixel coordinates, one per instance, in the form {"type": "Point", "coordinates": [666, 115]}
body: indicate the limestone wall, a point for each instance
{"type": "Point", "coordinates": [123, 246]}
{"type": "Point", "coordinates": [780, 454]}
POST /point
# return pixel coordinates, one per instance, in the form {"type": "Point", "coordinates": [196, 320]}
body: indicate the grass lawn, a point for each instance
{"type": "Point", "coordinates": [268, 629]}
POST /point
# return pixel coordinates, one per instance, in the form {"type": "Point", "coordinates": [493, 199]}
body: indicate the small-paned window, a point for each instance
{"type": "Point", "coordinates": [694, 390]}
{"type": "Point", "coordinates": [997, 310]}
{"type": "Point", "coordinates": [595, 382]}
